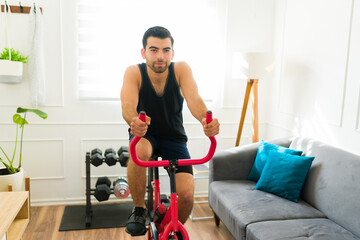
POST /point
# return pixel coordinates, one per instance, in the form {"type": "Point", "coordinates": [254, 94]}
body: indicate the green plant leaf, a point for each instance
{"type": "Point", "coordinates": [19, 120]}
{"type": "Point", "coordinates": [15, 55]}
{"type": "Point", "coordinates": [36, 111]}
{"type": "Point", "coordinates": [4, 154]}
{"type": "Point", "coordinates": [5, 164]}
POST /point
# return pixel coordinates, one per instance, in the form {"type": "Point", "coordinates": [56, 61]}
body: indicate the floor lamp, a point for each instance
{"type": "Point", "coordinates": [251, 66]}
{"type": "Point", "coordinates": [251, 84]}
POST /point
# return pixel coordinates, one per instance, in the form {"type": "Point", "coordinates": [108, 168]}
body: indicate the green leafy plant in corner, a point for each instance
{"type": "Point", "coordinates": [20, 124]}
{"type": "Point", "coordinates": [15, 55]}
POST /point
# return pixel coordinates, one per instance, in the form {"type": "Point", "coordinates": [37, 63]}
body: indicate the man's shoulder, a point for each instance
{"type": "Point", "coordinates": [132, 71]}
{"type": "Point", "coordinates": [133, 68]}
{"type": "Point", "coordinates": [181, 66]}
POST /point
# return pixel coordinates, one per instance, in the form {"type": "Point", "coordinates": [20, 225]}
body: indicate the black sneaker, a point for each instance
{"type": "Point", "coordinates": [136, 222]}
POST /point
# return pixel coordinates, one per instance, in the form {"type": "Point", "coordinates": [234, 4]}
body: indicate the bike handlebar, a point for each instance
{"type": "Point", "coordinates": [165, 163]}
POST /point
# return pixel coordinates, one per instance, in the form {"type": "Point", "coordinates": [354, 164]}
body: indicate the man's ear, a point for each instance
{"type": "Point", "coordinates": [143, 53]}
{"type": "Point", "coordinates": [172, 55]}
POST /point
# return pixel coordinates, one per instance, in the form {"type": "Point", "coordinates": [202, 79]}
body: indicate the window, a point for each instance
{"type": "Point", "coordinates": [110, 35]}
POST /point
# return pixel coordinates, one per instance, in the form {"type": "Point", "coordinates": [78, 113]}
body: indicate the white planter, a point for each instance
{"type": "Point", "coordinates": [17, 180]}
{"type": "Point", "coordinates": [10, 71]}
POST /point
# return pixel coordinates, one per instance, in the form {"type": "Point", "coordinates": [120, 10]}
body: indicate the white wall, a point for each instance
{"type": "Point", "coordinates": [316, 86]}
{"type": "Point", "coordinates": [54, 150]}
{"type": "Point", "coordinates": [314, 91]}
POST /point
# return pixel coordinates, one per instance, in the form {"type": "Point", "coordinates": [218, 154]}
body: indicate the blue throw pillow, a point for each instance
{"type": "Point", "coordinates": [284, 175]}
{"type": "Point", "coordinates": [262, 155]}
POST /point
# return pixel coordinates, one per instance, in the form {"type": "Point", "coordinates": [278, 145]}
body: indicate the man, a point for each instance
{"type": "Point", "coordinates": [159, 87]}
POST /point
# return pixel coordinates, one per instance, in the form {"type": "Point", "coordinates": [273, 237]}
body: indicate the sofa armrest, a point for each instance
{"type": "Point", "coordinates": [236, 163]}
{"type": "Point", "coordinates": [233, 163]}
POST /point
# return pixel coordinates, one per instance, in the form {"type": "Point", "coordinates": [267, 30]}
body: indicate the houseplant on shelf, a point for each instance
{"type": "Point", "coordinates": [10, 172]}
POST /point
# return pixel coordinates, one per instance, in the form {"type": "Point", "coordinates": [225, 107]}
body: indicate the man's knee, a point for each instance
{"type": "Point", "coordinates": [186, 196]}
{"type": "Point", "coordinates": [144, 150]}
{"type": "Point", "coordinates": [185, 187]}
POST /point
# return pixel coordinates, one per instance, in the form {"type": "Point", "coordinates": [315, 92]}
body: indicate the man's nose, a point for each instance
{"type": "Point", "coordinates": [160, 55]}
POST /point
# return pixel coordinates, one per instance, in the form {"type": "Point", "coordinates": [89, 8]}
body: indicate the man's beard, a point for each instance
{"type": "Point", "coordinates": [159, 69]}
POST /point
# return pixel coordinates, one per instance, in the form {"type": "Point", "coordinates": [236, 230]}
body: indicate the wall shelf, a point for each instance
{"type": "Point", "coordinates": [18, 9]}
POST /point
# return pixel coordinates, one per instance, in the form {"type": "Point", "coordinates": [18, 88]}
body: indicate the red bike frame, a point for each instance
{"type": "Point", "coordinates": [170, 222]}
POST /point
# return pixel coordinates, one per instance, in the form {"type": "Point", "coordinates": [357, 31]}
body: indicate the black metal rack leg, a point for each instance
{"type": "Point", "coordinates": [88, 213]}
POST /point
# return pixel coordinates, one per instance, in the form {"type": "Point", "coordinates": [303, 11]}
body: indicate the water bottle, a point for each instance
{"type": "Point", "coordinates": [121, 188]}
{"type": "Point", "coordinates": [159, 213]}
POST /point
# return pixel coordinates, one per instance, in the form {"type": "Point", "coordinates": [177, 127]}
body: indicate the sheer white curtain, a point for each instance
{"type": "Point", "coordinates": [110, 34]}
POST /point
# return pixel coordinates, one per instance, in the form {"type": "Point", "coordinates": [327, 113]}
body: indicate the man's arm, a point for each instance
{"type": "Point", "coordinates": [194, 101]}
{"type": "Point", "coordinates": [189, 90]}
{"type": "Point", "coordinates": [129, 100]}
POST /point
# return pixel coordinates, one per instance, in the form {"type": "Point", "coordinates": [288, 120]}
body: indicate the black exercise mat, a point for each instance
{"type": "Point", "coordinates": [104, 216]}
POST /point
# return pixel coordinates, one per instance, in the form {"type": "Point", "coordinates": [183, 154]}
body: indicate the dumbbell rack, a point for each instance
{"type": "Point", "coordinates": [88, 208]}
{"type": "Point", "coordinates": [122, 159]}
{"type": "Point", "coordinates": [149, 201]}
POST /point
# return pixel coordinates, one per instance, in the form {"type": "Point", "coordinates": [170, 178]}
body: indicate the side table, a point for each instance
{"type": "Point", "coordinates": [15, 214]}
{"type": "Point", "coordinates": [200, 172]}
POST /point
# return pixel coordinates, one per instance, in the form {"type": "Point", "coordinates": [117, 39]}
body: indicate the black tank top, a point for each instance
{"type": "Point", "coordinates": [165, 110]}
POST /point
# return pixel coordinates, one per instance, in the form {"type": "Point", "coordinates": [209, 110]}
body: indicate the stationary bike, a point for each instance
{"type": "Point", "coordinates": [165, 221]}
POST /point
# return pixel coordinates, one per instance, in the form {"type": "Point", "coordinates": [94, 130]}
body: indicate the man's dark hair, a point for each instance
{"type": "Point", "coordinates": [158, 32]}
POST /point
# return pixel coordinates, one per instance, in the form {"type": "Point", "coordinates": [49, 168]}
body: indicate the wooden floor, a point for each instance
{"type": "Point", "coordinates": [45, 222]}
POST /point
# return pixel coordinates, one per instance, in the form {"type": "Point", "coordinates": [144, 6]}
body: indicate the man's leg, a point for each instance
{"type": "Point", "coordinates": [183, 177]}
{"type": "Point", "coordinates": [185, 191]}
{"type": "Point", "coordinates": [136, 177]}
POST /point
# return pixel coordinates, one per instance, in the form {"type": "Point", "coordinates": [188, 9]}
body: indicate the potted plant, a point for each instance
{"type": "Point", "coordinates": [11, 66]}
{"type": "Point", "coordinates": [10, 171]}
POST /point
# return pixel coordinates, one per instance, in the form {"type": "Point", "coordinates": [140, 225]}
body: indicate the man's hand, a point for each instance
{"type": "Point", "coordinates": [211, 129]}
{"type": "Point", "coordinates": [138, 127]}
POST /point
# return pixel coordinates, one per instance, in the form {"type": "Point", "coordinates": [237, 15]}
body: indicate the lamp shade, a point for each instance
{"type": "Point", "coordinates": [251, 65]}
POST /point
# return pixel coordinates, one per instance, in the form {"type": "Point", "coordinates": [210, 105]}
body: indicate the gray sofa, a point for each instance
{"type": "Point", "coordinates": [329, 207]}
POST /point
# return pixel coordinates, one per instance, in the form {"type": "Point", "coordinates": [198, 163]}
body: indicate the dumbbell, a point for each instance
{"type": "Point", "coordinates": [96, 157]}
{"type": "Point", "coordinates": [121, 188]}
{"type": "Point", "coordinates": [110, 157]}
{"type": "Point", "coordinates": [123, 154]}
{"type": "Point", "coordinates": [102, 189]}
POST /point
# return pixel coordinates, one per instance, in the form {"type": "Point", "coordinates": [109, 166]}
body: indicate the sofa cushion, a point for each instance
{"type": "Point", "coordinates": [237, 204]}
{"type": "Point", "coordinates": [332, 185]}
{"type": "Point", "coordinates": [284, 175]}
{"type": "Point", "coordinates": [261, 157]}
{"type": "Point", "coordinates": [315, 228]}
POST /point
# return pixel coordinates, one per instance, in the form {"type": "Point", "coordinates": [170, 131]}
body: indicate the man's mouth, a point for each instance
{"type": "Point", "coordinates": [159, 63]}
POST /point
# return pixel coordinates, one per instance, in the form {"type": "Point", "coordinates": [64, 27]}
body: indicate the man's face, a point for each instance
{"type": "Point", "coordinates": [158, 54]}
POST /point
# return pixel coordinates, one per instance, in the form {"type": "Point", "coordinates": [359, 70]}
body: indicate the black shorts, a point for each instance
{"type": "Point", "coordinates": [169, 150]}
